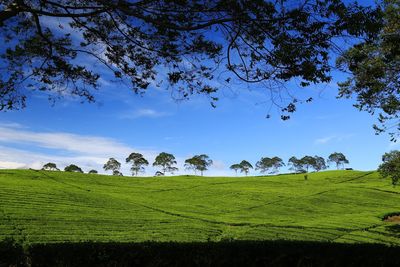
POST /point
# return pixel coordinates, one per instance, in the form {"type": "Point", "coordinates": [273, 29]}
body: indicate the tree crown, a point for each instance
{"type": "Point", "coordinates": [112, 165]}
{"type": "Point", "coordinates": [166, 161]}
{"type": "Point", "coordinates": [197, 43]}
{"type": "Point", "coordinates": [198, 163]}
{"type": "Point", "coordinates": [50, 166]}
{"type": "Point", "coordinates": [391, 166]}
{"type": "Point", "coordinates": [73, 168]}
{"type": "Point", "coordinates": [138, 162]}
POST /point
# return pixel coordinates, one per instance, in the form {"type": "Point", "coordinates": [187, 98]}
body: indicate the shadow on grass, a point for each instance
{"type": "Point", "coordinates": [395, 228]}
{"type": "Point", "coordinates": [232, 253]}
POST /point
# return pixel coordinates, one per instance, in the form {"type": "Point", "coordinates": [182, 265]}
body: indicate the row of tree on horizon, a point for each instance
{"type": "Point", "coordinates": [200, 163]}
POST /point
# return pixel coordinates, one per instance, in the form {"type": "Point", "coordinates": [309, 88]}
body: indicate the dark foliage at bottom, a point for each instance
{"type": "Point", "coordinates": [234, 253]}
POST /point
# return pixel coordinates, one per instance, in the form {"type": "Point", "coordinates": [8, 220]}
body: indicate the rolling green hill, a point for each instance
{"type": "Point", "coordinates": [334, 206]}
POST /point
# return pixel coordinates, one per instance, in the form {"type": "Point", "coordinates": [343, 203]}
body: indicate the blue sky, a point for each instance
{"type": "Point", "coordinates": [121, 122]}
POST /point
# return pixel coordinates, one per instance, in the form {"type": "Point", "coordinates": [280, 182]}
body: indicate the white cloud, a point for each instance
{"type": "Point", "coordinates": [324, 140]}
{"type": "Point", "coordinates": [218, 165]}
{"type": "Point", "coordinates": [12, 165]}
{"type": "Point", "coordinates": [11, 125]}
{"type": "Point", "coordinates": [86, 145]}
{"type": "Point", "coordinates": [88, 152]}
{"type": "Point", "coordinates": [64, 148]}
{"type": "Point", "coordinates": [332, 138]}
{"type": "Point", "coordinates": [11, 158]}
{"type": "Point", "coordinates": [144, 113]}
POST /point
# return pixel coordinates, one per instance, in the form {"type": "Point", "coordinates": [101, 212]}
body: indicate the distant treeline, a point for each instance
{"type": "Point", "coordinates": [200, 163]}
{"type": "Point", "coordinates": [228, 253]}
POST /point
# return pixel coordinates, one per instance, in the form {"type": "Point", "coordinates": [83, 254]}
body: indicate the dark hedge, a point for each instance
{"type": "Point", "coordinates": [233, 253]}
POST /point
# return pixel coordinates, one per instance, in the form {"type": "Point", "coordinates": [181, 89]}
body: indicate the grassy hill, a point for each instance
{"type": "Point", "coordinates": [334, 206]}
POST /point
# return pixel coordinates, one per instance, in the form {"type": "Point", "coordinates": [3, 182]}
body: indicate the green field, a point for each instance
{"type": "Point", "coordinates": [334, 206]}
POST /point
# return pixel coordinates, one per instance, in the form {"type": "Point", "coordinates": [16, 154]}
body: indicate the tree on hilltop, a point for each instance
{"type": "Point", "coordinates": [112, 165]}
{"type": "Point", "coordinates": [391, 166]}
{"type": "Point", "coordinates": [117, 173]}
{"type": "Point", "coordinates": [277, 163]}
{"type": "Point", "coordinates": [50, 167]}
{"type": "Point", "coordinates": [73, 168]}
{"type": "Point", "coordinates": [138, 162]}
{"type": "Point", "coordinates": [93, 172]}
{"type": "Point", "coordinates": [338, 158]}
{"type": "Point", "coordinates": [307, 162]}
{"type": "Point", "coordinates": [166, 162]}
{"type": "Point", "coordinates": [319, 163]}
{"type": "Point", "coordinates": [198, 163]}
{"type": "Point", "coordinates": [296, 165]}
{"type": "Point", "coordinates": [245, 166]}
{"type": "Point", "coordinates": [265, 164]}
{"type": "Point", "coordinates": [235, 167]}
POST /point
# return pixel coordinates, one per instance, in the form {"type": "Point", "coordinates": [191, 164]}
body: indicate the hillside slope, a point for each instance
{"type": "Point", "coordinates": [336, 206]}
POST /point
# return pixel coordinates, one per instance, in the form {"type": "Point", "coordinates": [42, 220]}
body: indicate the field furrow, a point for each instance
{"type": "Point", "coordinates": [332, 206]}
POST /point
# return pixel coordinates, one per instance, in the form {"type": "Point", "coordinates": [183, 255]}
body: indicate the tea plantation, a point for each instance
{"type": "Point", "coordinates": [333, 206]}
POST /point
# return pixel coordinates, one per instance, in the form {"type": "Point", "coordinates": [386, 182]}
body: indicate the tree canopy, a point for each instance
{"type": "Point", "coordinates": [112, 165]}
{"type": "Point", "coordinates": [138, 162]}
{"type": "Point", "coordinates": [338, 158]}
{"type": "Point", "coordinates": [296, 165]}
{"type": "Point", "coordinates": [374, 66]}
{"type": "Point", "coordinates": [166, 162]}
{"type": "Point", "coordinates": [307, 162]}
{"type": "Point", "coordinates": [198, 163]}
{"type": "Point", "coordinates": [272, 165]}
{"type": "Point", "coordinates": [73, 168]}
{"type": "Point", "coordinates": [235, 167]}
{"type": "Point", "coordinates": [190, 47]}
{"type": "Point", "coordinates": [391, 166]}
{"type": "Point", "coordinates": [117, 173]}
{"type": "Point", "coordinates": [158, 173]}
{"type": "Point", "coordinates": [319, 163]}
{"type": "Point", "coordinates": [245, 166]}
{"type": "Point", "coordinates": [50, 167]}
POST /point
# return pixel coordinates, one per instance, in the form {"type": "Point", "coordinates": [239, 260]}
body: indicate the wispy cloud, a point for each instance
{"type": "Point", "coordinates": [22, 148]}
{"type": "Point", "coordinates": [61, 148]}
{"type": "Point", "coordinates": [332, 138]}
{"type": "Point", "coordinates": [324, 140]}
{"type": "Point", "coordinates": [82, 144]}
{"type": "Point", "coordinates": [144, 113]}
{"type": "Point", "coordinates": [218, 165]}
{"type": "Point", "coordinates": [11, 125]}
{"type": "Point", "coordinates": [11, 158]}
